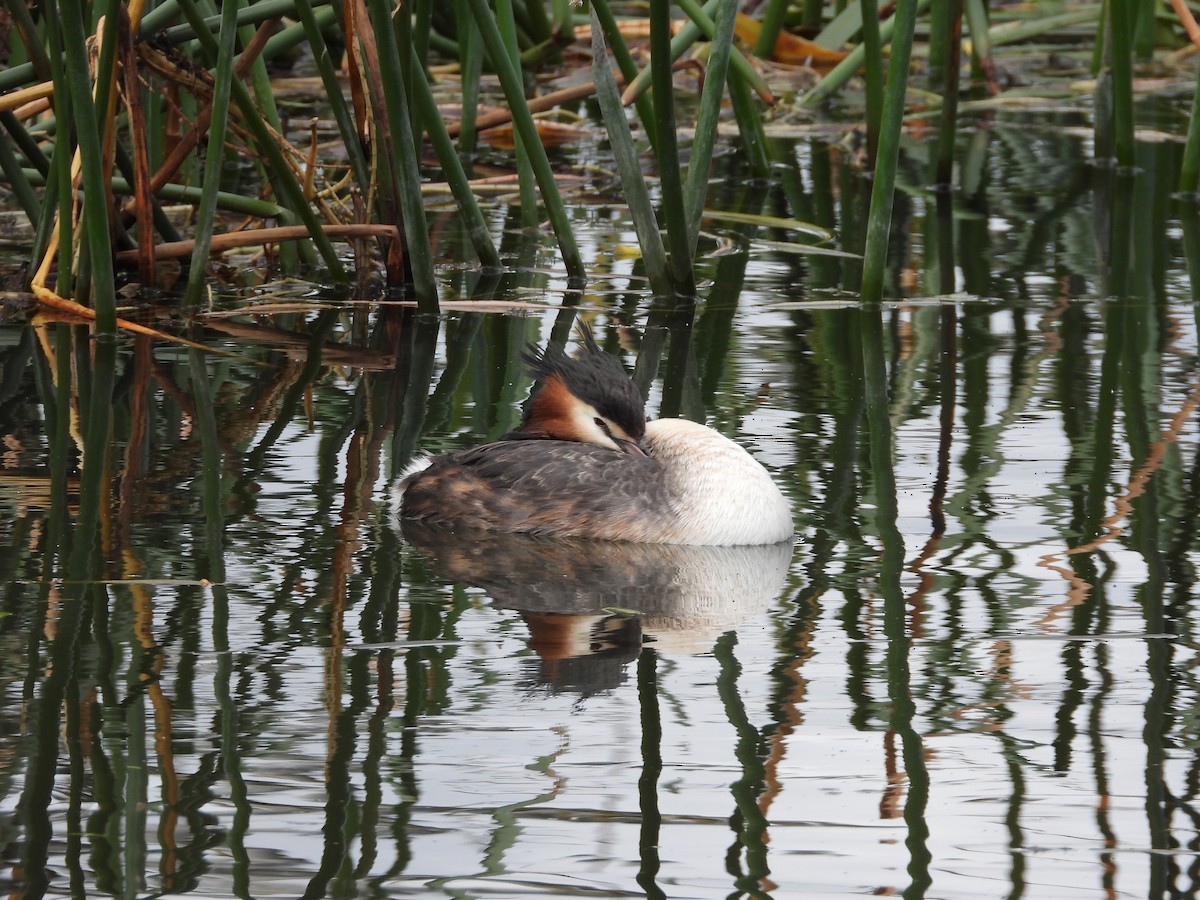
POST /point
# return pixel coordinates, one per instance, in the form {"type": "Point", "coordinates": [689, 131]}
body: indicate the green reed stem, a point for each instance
{"type": "Point", "coordinates": [702, 17]}
{"type": "Point", "coordinates": [977, 24]}
{"type": "Point", "coordinates": [624, 59]}
{"type": "Point", "coordinates": [873, 46]}
{"type": "Point", "coordinates": [750, 124]}
{"type": "Point", "coordinates": [837, 77]}
{"type": "Point", "coordinates": [406, 41]}
{"type": "Point", "coordinates": [18, 76]}
{"type": "Point", "coordinates": [342, 113]}
{"type": "Point", "coordinates": [935, 59]}
{"type": "Point", "coordinates": [772, 24]}
{"type": "Point", "coordinates": [422, 28]}
{"type": "Point", "coordinates": [1120, 61]}
{"type": "Point", "coordinates": [523, 124]}
{"type": "Point", "coordinates": [214, 160]}
{"type": "Point", "coordinates": [525, 178]}
{"type": "Point", "coordinates": [883, 190]}
{"type": "Point", "coordinates": [1145, 26]}
{"type": "Point", "coordinates": [845, 25]}
{"type": "Point", "coordinates": [283, 178]}
{"type": "Point", "coordinates": [637, 195]}
{"type": "Point", "coordinates": [405, 158]}
{"type": "Point", "coordinates": [471, 62]}
{"type": "Point", "coordinates": [564, 18]}
{"type": "Point", "coordinates": [452, 170]}
{"type": "Point", "coordinates": [285, 39]}
{"type": "Point", "coordinates": [950, 39]}
{"type": "Point", "coordinates": [95, 213]}
{"type": "Point", "coordinates": [1021, 31]}
{"type": "Point", "coordinates": [59, 190]}
{"type": "Point", "coordinates": [538, 26]}
{"type": "Point", "coordinates": [25, 143]}
{"type": "Point", "coordinates": [290, 252]}
{"type": "Point", "coordinates": [1189, 174]}
{"type": "Point", "coordinates": [28, 32]}
{"type": "Point", "coordinates": [685, 38]}
{"type": "Point", "coordinates": [21, 188]}
{"type": "Point", "coordinates": [707, 121]}
{"type": "Point", "coordinates": [158, 21]}
{"type": "Point", "coordinates": [675, 219]}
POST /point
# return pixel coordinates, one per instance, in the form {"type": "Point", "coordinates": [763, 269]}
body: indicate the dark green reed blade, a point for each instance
{"type": "Point", "coordinates": [523, 124]}
{"type": "Point", "coordinates": [629, 168]}
{"type": "Point", "coordinates": [453, 172]}
{"type": "Point", "coordinates": [1189, 173]}
{"type": "Point", "coordinates": [708, 119]}
{"type": "Point", "coordinates": [675, 218]}
{"type": "Point", "coordinates": [406, 162]}
{"type": "Point", "coordinates": [264, 95]}
{"type": "Point", "coordinates": [471, 69]}
{"type": "Point", "coordinates": [422, 27]}
{"type": "Point", "coordinates": [18, 76]}
{"type": "Point", "coordinates": [772, 25]}
{"type": "Point", "coordinates": [835, 79]}
{"type": "Point", "coordinates": [883, 189]}
{"type": "Point", "coordinates": [59, 190]}
{"type": "Point", "coordinates": [214, 160]}
{"type": "Point", "coordinates": [29, 36]}
{"type": "Point", "coordinates": [873, 71]}
{"type": "Point", "coordinates": [538, 21]}
{"type": "Point", "coordinates": [96, 234]}
{"type": "Point", "coordinates": [25, 142]}
{"type": "Point", "coordinates": [563, 22]}
{"type": "Point", "coordinates": [976, 15]}
{"type": "Point", "coordinates": [21, 188]}
{"type": "Point", "coordinates": [628, 69]}
{"type": "Point", "coordinates": [702, 18]}
{"type": "Point", "coordinates": [750, 124]}
{"type": "Point", "coordinates": [1120, 62]}
{"type": "Point", "coordinates": [526, 179]}
{"type": "Point", "coordinates": [405, 29]}
{"type": "Point", "coordinates": [283, 178]}
{"type": "Point", "coordinates": [949, 38]}
{"type": "Point", "coordinates": [342, 113]}
{"type": "Point", "coordinates": [158, 21]}
{"type": "Point", "coordinates": [684, 39]}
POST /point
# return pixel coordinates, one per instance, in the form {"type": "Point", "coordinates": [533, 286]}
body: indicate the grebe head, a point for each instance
{"type": "Point", "coordinates": [587, 398]}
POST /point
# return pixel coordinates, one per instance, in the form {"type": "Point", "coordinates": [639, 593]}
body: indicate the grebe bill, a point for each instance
{"type": "Point", "coordinates": [695, 487]}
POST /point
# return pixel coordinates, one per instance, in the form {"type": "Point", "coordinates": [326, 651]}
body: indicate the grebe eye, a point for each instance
{"type": "Point", "coordinates": [603, 425]}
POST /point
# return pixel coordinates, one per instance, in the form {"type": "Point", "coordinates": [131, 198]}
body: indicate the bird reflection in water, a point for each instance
{"type": "Point", "coordinates": [590, 605]}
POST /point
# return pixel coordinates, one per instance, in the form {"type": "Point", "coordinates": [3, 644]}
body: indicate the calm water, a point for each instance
{"type": "Point", "coordinates": [973, 675]}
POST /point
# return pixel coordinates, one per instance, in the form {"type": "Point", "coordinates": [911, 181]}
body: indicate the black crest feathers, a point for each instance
{"type": "Point", "coordinates": [594, 377]}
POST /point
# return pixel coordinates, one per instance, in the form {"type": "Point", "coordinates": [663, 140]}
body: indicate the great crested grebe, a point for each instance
{"type": "Point", "coordinates": [586, 464]}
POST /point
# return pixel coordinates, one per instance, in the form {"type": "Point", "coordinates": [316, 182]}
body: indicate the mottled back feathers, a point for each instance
{"type": "Point", "coordinates": [538, 487]}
